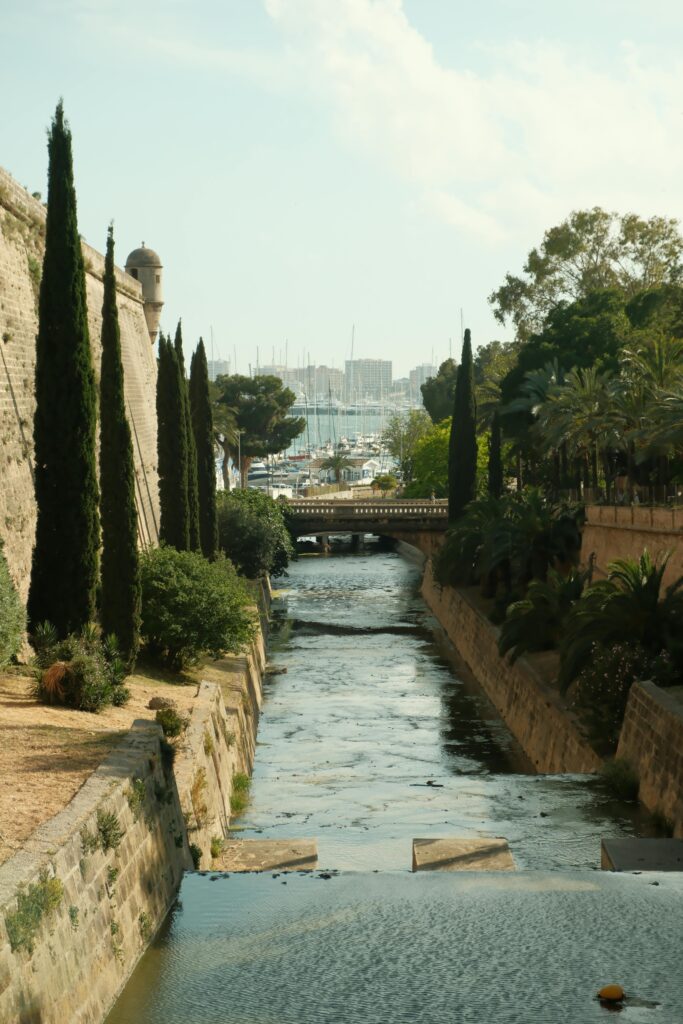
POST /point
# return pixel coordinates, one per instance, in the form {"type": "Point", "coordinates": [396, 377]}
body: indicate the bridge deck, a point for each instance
{"type": "Point", "coordinates": [367, 515]}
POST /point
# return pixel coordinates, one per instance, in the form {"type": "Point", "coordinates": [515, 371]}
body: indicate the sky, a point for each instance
{"type": "Point", "coordinates": [304, 166]}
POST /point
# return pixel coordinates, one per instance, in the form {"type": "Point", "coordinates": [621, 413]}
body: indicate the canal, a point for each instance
{"type": "Point", "coordinates": [372, 735]}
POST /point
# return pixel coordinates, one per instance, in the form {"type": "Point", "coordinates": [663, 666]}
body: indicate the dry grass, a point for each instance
{"type": "Point", "coordinates": [48, 752]}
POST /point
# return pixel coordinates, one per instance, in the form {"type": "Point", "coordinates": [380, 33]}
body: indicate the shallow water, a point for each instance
{"type": "Point", "coordinates": [517, 948]}
{"type": "Point", "coordinates": [370, 711]}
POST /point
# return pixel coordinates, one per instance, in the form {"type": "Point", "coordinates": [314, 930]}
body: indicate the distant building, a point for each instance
{"type": "Point", "coordinates": [417, 377]}
{"type": "Point", "coordinates": [218, 368]}
{"type": "Point", "coordinates": [367, 379]}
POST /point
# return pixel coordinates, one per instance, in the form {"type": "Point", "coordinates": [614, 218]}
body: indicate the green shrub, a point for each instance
{"type": "Point", "coordinates": [38, 901]}
{"type": "Point", "coordinates": [12, 616]}
{"type": "Point", "coordinates": [239, 798]}
{"type": "Point", "coordinates": [171, 722]}
{"type": "Point", "coordinates": [196, 854]}
{"type": "Point", "coordinates": [601, 690]}
{"type": "Point", "coordinates": [109, 830]}
{"type": "Point", "coordinates": [621, 778]}
{"type": "Point", "coordinates": [253, 533]}
{"type": "Point", "coordinates": [83, 671]}
{"type": "Point", "coordinates": [73, 917]}
{"type": "Point", "coordinates": [536, 622]}
{"type": "Point", "coordinates": [145, 926]}
{"type": "Point", "coordinates": [136, 795]}
{"type": "Point", "coordinates": [191, 607]}
{"type": "Point", "coordinates": [216, 846]}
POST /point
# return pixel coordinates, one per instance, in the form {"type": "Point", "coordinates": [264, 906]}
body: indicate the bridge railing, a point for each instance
{"type": "Point", "coordinates": [367, 508]}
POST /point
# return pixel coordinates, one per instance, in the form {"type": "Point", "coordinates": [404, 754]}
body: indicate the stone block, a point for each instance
{"type": "Point", "coordinates": [268, 855]}
{"type": "Point", "coordinates": [630, 854]}
{"type": "Point", "coordinates": [462, 854]}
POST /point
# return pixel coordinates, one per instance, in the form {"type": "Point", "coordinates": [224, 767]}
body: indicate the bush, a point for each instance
{"type": "Point", "coordinates": [82, 671]}
{"type": "Point", "coordinates": [191, 607]}
{"type": "Point", "coordinates": [253, 533]}
{"type": "Point", "coordinates": [196, 854]}
{"type": "Point", "coordinates": [38, 901]}
{"type": "Point", "coordinates": [12, 616]}
{"type": "Point", "coordinates": [171, 722]}
{"type": "Point", "coordinates": [601, 690]}
{"type": "Point", "coordinates": [536, 622]}
{"type": "Point", "coordinates": [239, 798]}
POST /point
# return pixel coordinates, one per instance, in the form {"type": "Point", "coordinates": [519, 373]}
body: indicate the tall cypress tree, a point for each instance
{"type": "Point", "coordinates": [495, 462]}
{"type": "Point", "coordinates": [65, 556]}
{"type": "Point", "coordinates": [120, 595]}
{"type": "Point", "coordinates": [174, 528]}
{"type": "Point", "coordinates": [202, 427]}
{"type": "Point", "coordinates": [192, 483]}
{"type": "Point", "coordinates": [462, 454]}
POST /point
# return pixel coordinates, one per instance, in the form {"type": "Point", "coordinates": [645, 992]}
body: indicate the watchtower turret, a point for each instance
{"type": "Point", "coordinates": [145, 266]}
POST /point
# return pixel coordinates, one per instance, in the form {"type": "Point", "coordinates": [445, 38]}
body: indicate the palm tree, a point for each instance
{"type": "Point", "coordinates": [627, 607]}
{"type": "Point", "coordinates": [337, 463]}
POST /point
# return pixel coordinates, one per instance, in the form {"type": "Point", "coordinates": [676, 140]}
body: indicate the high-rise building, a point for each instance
{"type": "Point", "coordinates": [367, 379]}
{"type": "Point", "coordinates": [417, 377]}
{"type": "Point", "coordinates": [218, 368]}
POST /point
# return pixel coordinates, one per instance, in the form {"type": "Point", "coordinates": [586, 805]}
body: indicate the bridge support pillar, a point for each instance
{"type": "Point", "coordinates": [324, 544]}
{"type": "Point", "coordinates": [356, 541]}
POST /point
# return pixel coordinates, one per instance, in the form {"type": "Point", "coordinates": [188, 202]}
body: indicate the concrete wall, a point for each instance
{"type": "Point", "coordinates": [533, 710]}
{"type": "Point", "coordinates": [22, 236]}
{"type": "Point", "coordinates": [87, 948]}
{"type": "Point", "coordinates": [624, 532]}
{"type": "Point", "coordinates": [652, 740]}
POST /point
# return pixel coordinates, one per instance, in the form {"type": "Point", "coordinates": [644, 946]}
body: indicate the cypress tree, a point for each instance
{"type": "Point", "coordinates": [192, 483]}
{"type": "Point", "coordinates": [462, 454]}
{"type": "Point", "coordinates": [202, 427]}
{"type": "Point", "coordinates": [495, 462]}
{"type": "Point", "coordinates": [120, 594]}
{"type": "Point", "coordinates": [65, 556]}
{"type": "Point", "coordinates": [174, 528]}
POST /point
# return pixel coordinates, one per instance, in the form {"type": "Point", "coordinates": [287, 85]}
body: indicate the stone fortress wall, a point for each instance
{"type": "Point", "coordinates": [22, 238]}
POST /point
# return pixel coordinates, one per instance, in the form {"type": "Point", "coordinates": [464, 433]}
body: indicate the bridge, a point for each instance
{"type": "Point", "coordinates": [418, 522]}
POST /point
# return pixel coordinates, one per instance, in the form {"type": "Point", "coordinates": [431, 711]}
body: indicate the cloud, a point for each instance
{"type": "Point", "coordinates": [540, 134]}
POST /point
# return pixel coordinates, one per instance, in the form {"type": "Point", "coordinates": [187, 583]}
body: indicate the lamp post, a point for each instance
{"type": "Point", "coordinates": [239, 457]}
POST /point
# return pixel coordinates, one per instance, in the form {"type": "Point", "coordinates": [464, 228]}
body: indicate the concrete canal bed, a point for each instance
{"type": "Point", "coordinates": [405, 948]}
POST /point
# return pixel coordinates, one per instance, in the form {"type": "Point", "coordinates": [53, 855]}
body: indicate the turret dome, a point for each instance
{"type": "Point", "coordinates": [143, 257]}
{"type": "Point", "coordinates": [145, 266]}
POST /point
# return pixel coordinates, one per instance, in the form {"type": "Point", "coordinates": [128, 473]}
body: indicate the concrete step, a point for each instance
{"type": "Point", "coordinates": [632, 854]}
{"type": "Point", "coordinates": [268, 855]}
{"type": "Point", "coordinates": [460, 854]}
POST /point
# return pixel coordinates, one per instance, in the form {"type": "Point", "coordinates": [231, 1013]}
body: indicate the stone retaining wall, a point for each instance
{"type": "Point", "coordinates": [114, 900]}
{"type": "Point", "coordinates": [533, 711]}
{"type": "Point", "coordinates": [624, 532]}
{"type": "Point", "coordinates": [652, 740]}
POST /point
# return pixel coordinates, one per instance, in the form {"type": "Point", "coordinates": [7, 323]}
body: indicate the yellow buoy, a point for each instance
{"type": "Point", "coordinates": [611, 993]}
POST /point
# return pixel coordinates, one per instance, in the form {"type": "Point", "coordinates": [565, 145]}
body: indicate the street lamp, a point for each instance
{"type": "Point", "coordinates": [239, 457]}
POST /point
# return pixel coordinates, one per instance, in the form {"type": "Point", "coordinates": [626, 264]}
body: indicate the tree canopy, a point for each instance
{"type": "Point", "coordinates": [438, 392]}
{"type": "Point", "coordinates": [260, 410]}
{"type": "Point", "coordinates": [401, 435]}
{"type": "Point", "coordinates": [592, 250]}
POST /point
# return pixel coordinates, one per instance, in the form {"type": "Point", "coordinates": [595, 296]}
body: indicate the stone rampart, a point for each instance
{"type": "Point", "coordinates": [625, 531]}
{"type": "Point", "coordinates": [533, 710]}
{"type": "Point", "coordinates": [22, 237]}
{"type": "Point", "coordinates": [652, 740]}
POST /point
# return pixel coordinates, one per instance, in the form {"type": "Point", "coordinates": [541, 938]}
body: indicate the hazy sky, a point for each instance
{"type": "Point", "coordinates": [303, 165]}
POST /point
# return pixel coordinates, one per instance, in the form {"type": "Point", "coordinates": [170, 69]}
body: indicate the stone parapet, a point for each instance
{"type": "Point", "coordinates": [613, 531]}
{"type": "Point", "coordinates": [652, 740]}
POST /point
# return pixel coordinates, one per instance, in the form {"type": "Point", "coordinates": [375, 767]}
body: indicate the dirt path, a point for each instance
{"type": "Point", "coordinates": [47, 753]}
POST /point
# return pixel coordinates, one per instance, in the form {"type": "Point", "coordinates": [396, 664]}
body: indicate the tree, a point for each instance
{"type": "Point", "coordinates": [438, 392]}
{"type": "Point", "coordinates": [172, 451]}
{"type": "Point", "coordinates": [384, 482]}
{"type": "Point", "coordinates": [192, 483]}
{"type": "Point", "coordinates": [260, 407]}
{"type": "Point", "coordinates": [495, 467]}
{"type": "Point", "coordinates": [253, 532]}
{"type": "Point", "coordinates": [202, 429]}
{"type": "Point", "coordinates": [120, 585]}
{"type": "Point", "coordinates": [337, 463]}
{"type": "Point", "coordinates": [402, 434]}
{"type": "Point", "coordinates": [430, 463]}
{"type": "Point", "coordinates": [590, 251]}
{"type": "Point", "coordinates": [462, 460]}
{"type": "Point", "coordinates": [65, 556]}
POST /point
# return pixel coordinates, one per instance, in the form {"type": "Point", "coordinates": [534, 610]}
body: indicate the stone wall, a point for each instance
{"type": "Point", "coordinates": [652, 740]}
{"type": "Point", "coordinates": [114, 900]}
{"type": "Point", "coordinates": [22, 237]}
{"type": "Point", "coordinates": [532, 709]}
{"type": "Point", "coordinates": [624, 532]}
